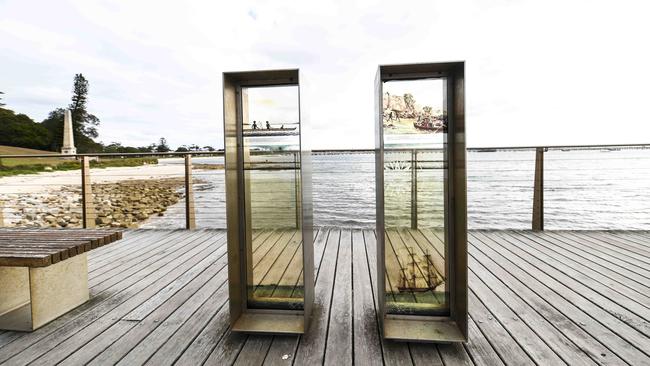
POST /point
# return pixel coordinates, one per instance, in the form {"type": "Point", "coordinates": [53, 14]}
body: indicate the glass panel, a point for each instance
{"type": "Point", "coordinates": [271, 155]}
{"type": "Point", "coordinates": [415, 186]}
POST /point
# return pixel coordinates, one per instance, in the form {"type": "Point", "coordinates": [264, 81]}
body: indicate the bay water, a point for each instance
{"type": "Point", "coordinates": [583, 189]}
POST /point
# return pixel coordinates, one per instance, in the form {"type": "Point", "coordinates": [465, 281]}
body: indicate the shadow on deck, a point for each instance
{"type": "Point", "coordinates": [160, 297]}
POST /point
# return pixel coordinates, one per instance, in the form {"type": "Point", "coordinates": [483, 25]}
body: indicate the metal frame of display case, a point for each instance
{"type": "Point", "coordinates": [243, 318]}
{"type": "Point", "coordinates": [425, 328]}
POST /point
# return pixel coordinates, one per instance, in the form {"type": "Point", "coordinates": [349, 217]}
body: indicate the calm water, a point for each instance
{"type": "Point", "coordinates": [589, 189]}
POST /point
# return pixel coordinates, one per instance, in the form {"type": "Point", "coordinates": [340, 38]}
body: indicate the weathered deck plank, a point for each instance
{"type": "Point", "coordinates": [621, 274]}
{"type": "Point", "coordinates": [606, 289]}
{"type": "Point", "coordinates": [566, 297]}
{"type": "Point", "coordinates": [339, 345]}
{"type": "Point", "coordinates": [159, 297]}
{"type": "Point", "coordinates": [566, 316]}
{"type": "Point", "coordinates": [367, 345]}
{"type": "Point", "coordinates": [394, 353]}
{"type": "Point", "coordinates": [602, 271]}
{"type": "Point", "coordinates": [76, 332]}
{"type": "Point", "coordinates": [142, 271]}
{"type": "Point", "coordinates": [502, 341]}
{"type": "Point", "coordinates": [311, 347]}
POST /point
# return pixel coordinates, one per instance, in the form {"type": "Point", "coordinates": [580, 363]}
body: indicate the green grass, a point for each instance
{"type": "Point", "coordinates": [12, 150]}
{"type": "Point", "coordinates": [16, 166]}
{"type": "Point", "coordinates": [34, 166]}
{"type": "Point", "coordinates": [12, 162]}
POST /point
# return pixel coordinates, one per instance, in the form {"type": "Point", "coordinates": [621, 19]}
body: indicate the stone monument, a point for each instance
{"type": "Point", "coordinates": [68, 136]}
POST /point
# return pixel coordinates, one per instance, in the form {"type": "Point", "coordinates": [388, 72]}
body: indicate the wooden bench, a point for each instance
{"type": "Point", "coordinates": [44, 273]}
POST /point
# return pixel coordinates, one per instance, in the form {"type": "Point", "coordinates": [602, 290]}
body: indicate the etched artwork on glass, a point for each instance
{"type": "Point", "coordinates": [268, 203]}
{"type": "Point", "coordinates": [421, 210]}
{"type": "Point", "coordinates": [414, 125]}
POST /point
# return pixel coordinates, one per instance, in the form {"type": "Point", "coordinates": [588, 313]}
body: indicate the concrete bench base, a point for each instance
{"type": "Point", "coordinates": [33, 297]}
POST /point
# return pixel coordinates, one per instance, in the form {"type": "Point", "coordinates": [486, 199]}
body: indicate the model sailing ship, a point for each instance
{"type": "Point", "coordinates": [419, 278]}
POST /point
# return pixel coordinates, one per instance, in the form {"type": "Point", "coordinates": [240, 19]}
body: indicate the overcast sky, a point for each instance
{"type": "Point", "coordinates": [537, 72]}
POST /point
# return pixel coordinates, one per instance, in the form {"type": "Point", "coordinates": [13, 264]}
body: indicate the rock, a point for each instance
{"type": "Point", "coordinates": [119, 204]}
{"type": "Point", "coordinates": [103, 221]}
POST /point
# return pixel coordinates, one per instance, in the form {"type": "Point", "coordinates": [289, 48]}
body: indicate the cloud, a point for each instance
{"type": "Point", "coordinates": [537, 73]}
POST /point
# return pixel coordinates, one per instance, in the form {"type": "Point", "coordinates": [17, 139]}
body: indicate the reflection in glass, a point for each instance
{"type": "Point", "coordinates": [271, 158]}
{"type": "Point", "coordinates": [415, 186]}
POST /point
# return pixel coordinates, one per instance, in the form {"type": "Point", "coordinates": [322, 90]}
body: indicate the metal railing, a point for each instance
{"type": "Point", "coordinates": [583, 173]}
{"type": "Point", "coordinates": [89, 213]}
{"type": "Point", "coordinates": [413, 161]}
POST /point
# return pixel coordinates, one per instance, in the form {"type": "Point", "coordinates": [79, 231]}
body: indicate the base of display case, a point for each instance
{"type": "Point", "coordinates": [273, 323]}
{"type": "Point", "coordinates": [422, 330]}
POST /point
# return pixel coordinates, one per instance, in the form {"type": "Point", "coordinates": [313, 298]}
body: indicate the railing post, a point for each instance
{"type": "Point", "coordinates": [414, 189]}
{"type": "Point", "coordinates": [2, 217]}
{"type": "Point", "coordinates": [190, 220]}
{"type": "Point", "coordinates": [87, 204]}
{"type": "Point", "coordinates": [297, 188]}
{"type": "Point", "coordinates": [538, 192]}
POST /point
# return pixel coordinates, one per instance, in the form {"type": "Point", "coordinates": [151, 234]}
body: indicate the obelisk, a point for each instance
{"type": "Point", "coordinates": [68, 137]}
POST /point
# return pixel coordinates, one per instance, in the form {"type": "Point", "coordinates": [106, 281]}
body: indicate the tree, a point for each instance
{"type": "Point", "coordinates": [21, 131]}
{"type": "Point", "coordinates": [1, 104]}
{"type": "Point", "coordinates": [162, 145]}
{"type": "Point", "coordinates": [54, 124]}
{"type": "Point", "coordinates": [83, 123]}
{"type": "Point", "coordinates": [409, 102]}
{"type": "Point", "coordinates": [116, 147]}
{"type": "Point", "coordinates": [208, 148]}
{"type": "Point", "coordinates": [182, 149]}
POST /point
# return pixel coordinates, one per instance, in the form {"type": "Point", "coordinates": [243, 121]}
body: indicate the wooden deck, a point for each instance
{"type": "Point", "coordinates": [160, 297]}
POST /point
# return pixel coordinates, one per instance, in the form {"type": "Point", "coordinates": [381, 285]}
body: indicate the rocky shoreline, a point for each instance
{"type": "Point", "coordinates": [123, 204]}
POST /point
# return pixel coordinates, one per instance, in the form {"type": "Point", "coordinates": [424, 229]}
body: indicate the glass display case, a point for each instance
{"type": "Point", "coordinates": [268, 203]}
{"type": "Point", "coordinates": [421, 201]}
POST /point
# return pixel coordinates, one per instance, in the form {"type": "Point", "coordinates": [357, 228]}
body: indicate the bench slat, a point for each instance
{"type": "Point", "coordinates": [43, 247]}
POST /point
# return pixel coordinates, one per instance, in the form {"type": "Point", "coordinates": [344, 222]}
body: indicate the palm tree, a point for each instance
{"type": "Point", "coordinates": [409, 103]}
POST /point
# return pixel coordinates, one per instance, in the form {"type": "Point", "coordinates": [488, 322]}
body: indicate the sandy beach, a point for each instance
{"type": "Point", "coordinates": [48, 181]}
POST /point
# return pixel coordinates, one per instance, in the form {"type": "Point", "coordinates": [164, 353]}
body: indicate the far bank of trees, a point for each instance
{"type": "Point", "coordinates": [84, 124]}
{"type": "Point", "coordinates": [21, 131]}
